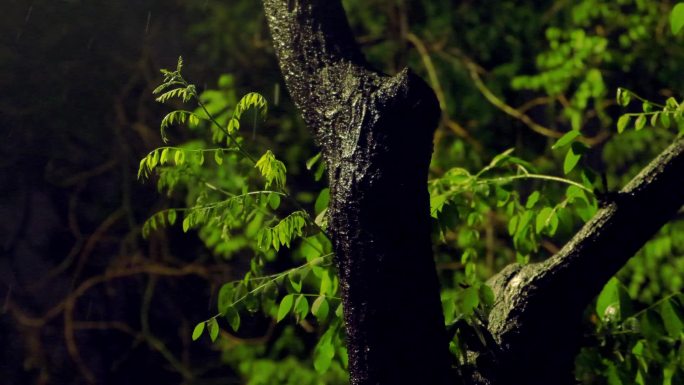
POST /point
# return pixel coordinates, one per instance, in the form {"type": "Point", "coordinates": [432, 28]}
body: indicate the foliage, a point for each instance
{"type": "Point", "coordinates": [509, 210]}
{"type": "Point", "coordinates": [248, 211]}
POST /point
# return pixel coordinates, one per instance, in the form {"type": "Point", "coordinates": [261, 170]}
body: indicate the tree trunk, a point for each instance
{"type": "Point", "coordinates": [375, 133]}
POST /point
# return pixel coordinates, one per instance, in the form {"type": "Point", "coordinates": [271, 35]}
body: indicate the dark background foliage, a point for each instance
{"type": "Point", "coordinates": [77, 114]}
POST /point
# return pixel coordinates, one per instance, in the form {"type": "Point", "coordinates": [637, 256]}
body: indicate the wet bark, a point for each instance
{"type": "Point", "coordinates": [375, 133]}
{"type": "Point", "coordinates": [535, 320]}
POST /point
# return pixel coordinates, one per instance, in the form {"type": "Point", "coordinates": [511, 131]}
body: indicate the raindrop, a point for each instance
{"type": "Point", "coordinates": [89, 311]}
{"type": "Point", "coordinates": [7, 298]}
{"type": "Point", "coordinates": [28, 14]}
{"type": "Point", "coordinates": [276, 94]}
{"type": "Point", "coordinates": [147, 25]}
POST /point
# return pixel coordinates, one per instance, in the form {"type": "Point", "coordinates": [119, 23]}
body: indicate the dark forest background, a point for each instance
{"type": "Point", "coordinates": [77, 114]}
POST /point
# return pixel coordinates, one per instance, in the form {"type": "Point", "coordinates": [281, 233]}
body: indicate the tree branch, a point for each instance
{"type": "Point", "coordinates": [556, 291]}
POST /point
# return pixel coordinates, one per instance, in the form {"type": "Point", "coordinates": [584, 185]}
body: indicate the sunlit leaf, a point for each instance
{"type": "Point", "coordinates": [677, 18]}
{"type": "Point", "coordinates": [285, 306]}
{"type": "Point", "coordinates": [622, 123]}
{"type": "Point", "coordinates": [566, 139]}
{"type": "Point", "coordinates": [197, 332]}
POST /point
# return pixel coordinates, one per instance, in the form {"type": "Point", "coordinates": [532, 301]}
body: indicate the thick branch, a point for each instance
{"type": "Point", "coordinates": [556, 291]}
{"type": "Point", "coordinates": [318, 57]}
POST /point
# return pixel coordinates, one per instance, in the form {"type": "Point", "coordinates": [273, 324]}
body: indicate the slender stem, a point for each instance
{"type": "Point", "coordinates": [649, 113]}
{"type": "Point", "coordinates": [242, 151]}
{"type": "Point", "coordinates": [235, 142]}
{"type": "Point", "coordinates": [653, 305]}
{"type": "Point", "coordinates": [643, 99]}
{"type": "Point", "coordinates": [535, 176]}
{"type": "Point", "coordinates": [275, 278]}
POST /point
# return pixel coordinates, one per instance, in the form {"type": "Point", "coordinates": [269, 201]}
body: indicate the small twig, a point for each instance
{"type": "Point", "coordinates": [439, 92]}
{"type": "Point", "coordinates": [475, 71]}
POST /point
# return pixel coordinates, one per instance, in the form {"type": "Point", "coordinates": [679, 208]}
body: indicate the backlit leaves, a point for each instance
{"type": "Point", "coordinates": [566, 139]}
{"type": "Point", "coordinates": [273, 170]}
{"type": "Point", "coordinates": [197, 331]}
{"type": "Point", "coordinates": [677, 18]}
{"type": "Point", "coordinates": [285, 306]}
{"type": "Point", "coordinates": [284, 232]}
{"type": "Point", "coordinates": [573, 156]}
{"type": "Point", "coordinates": [177, 117]}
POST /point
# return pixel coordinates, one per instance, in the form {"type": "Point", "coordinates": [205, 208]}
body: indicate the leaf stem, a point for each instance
{"type": "Point", "coordinates": [535, 176]}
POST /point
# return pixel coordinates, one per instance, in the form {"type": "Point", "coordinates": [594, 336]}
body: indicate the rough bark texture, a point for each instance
{"type": "Point", "coordinates": [375, 132]}
{"type": "Point", "coordinates": [538, 308]}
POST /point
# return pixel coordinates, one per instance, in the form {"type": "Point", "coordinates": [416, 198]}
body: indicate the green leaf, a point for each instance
{"type": "Point", "coordinates": [502, 196]}
{"type": "Point", "coordinates": [622, 123]}
{"type": "Point", "coordinates": [651, 325]}
{"type": "Point", "coordinates": [437, 203]}
{"type": "Point", "coordinates": [171, 215]}
{"type": "Point", "coordinates": [320, 308]}
{"type": "Point", "coordinates": [179, 157]}
{"type": "Point", "coordinates": [301, 307]}
{"type": "Point", "coordinates": [613, 303]}
{"type": "Point", "coordinates": [213, 329]}
{"type": "Point", "coordinates": [640, 122]}
{"type": "Point", "coordinates": [647, 107]}
{"type": "Point", "coordinates": [324, 352]}
{"type": "Point", "coordinates": [571, 159]}
{"type": "Point", "coordinates": [573, 193]}
{"type": "Point", "coordinates": [179, 64]}
{"type": "Point", "coordinates": [154, 160]}
{"type": "Point", "coordinates": [665, 119]}
{"type": "Point", "coordinates": [251, 100]}
{"type": "Point", "coordinates": [677, 18]}
{"type": "Point", "coordinates": [273, 201]}
{"type": "Point", "coordinates": [322, 200]}
{"type": "Point", "coordinates": [295, 280]}
{"type": "Point", "coordinates": [225, 297]}
{"type": "Point", "coordinates": [344, 356]}
{"type": "Point", "coordinates": [186, 224]}
{"type": "Point", "coordinates": [311, 162]}
{"type": "Point", "coordinates": [500, 158]}
{"type": "Point", "coordinates": [285, 306]}
{"type": "Point", "coordinates": [623, 97]}
{"type": "Point", "coordinates": [197, 332]}
{"type": "Point", "coordinates": [272, 170]}
{"type": "Point", "coordinates": [164, 158]}
{"type": "Point", "coordinates": [655, 118]}
{"type": "Point", "coordinates": [608, 304]}
{"type": "Point", "coordinates": [218, 157]}
{"type": "Point", "coordinates": [513, 224]}
{"type": "Point", "coordinates": [671, 104]}
{"type": "Point", "coordinates": [612, 373]}
{"type": "Point", "coordinates": [469, 299]}
{"type": "Point", "coordinates": [532, 199]}
{"type": "Point", "coordinates": [233, 318]}
{"type": "Point", "coordinates": [233, 126]}
{"type": "Point", "coordinates": [487, 296]}
{"type": "Point", "coordinates": [673, 317]}
{"type": "Point", "coordinates": [543, 219]}
{"type": "Point", "coordinates": [566, 139]}
{"type": "Point", "coordinates": [193, 120]}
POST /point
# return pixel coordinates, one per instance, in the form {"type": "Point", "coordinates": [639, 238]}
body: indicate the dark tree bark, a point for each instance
{"type": "Point", "coordinates": [536, 317]}
{"type": "Point", "coordinates": [375, 132]}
